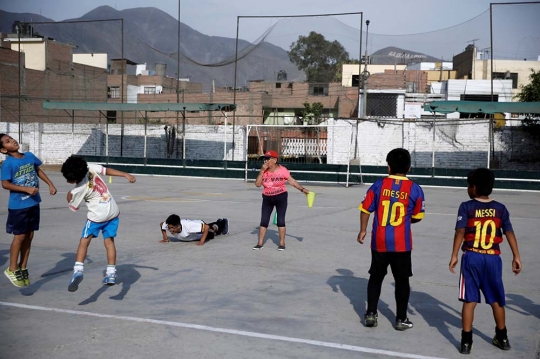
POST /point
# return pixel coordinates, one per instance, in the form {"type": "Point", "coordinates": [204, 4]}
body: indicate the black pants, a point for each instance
{"type": "Point", "coordinates": [220, 223]}
{"type": "Point", "coordinates": [269, 202]}
{"type": "Point", "coordinates": [401, 265]}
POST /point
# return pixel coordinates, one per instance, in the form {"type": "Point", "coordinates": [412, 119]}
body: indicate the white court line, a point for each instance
{"type": "Point", "coordinates": [227, 331]}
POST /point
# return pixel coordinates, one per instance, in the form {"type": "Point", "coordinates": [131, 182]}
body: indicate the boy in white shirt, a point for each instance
{"type": "Point", "coordinates": [103, 212]}
{"type": "Point", "coordinates": [187, 230]}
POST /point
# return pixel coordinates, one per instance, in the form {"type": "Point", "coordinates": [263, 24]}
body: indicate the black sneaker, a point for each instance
{"type": "Point", "coordinates": [225, 226]}
{"type": "Point", "coordinates": [258, 246]}
{"type": "Point", "coordinates": [501, 344]}
{"type": "Point", "coordinates": [403, 324]}
{"type": "Point", "coordinates": [465, 348]}
{"type": "Point", "coordinates": [371, 319]}
{"type": "Point", "coordinates": [281, 248]}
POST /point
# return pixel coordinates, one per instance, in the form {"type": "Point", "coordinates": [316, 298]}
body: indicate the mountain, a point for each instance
{"type": "Point", "coordinates": [394, 55]}
{"type": "Point", "coordinates": [151, 36]}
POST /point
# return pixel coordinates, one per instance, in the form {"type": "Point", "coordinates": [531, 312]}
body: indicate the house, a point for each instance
{"type": "Point", "coordinates": [34, 69]}
{"type": "Point", "coordinates": [473, 64]}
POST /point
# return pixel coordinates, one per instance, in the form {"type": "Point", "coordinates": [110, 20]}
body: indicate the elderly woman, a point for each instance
{"type": "Point", "coordinates": [273, 177]}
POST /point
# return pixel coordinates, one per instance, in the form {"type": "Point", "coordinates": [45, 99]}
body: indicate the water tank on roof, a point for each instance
{"type": "Point", "coordinates": [282, 75]}
{"type": "Point", "coordinates": [161, 69]}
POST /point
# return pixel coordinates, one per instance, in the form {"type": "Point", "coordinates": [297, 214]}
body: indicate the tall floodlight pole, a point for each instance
{"type": "Point", "coordinates": [365, 74]}
{"type": "Point", "coordinates": [178, 94]}
{"type": "Point", "coordinates": [490, 127]}
{"type": "Point", "coordinates": [234, 88]}
{"type": "Point", "coordinates": [19, 44]}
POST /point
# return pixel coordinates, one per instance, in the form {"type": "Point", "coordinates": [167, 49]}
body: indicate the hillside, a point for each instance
{"type": "Point", "coordinates": [150, 36]}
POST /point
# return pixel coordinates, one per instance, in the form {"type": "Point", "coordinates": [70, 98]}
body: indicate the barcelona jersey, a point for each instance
{"type": "Point", "coordinates": [394, 200]}
{"type": "Point", "coordinates": [484, 223]}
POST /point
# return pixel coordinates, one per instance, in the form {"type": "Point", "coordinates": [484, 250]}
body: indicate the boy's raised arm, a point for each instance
{"type": "Point", "coordinates": [112, 172]}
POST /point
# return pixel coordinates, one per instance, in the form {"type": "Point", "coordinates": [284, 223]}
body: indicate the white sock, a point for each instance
{"type": "Point", "coordinates": [111, 269]}
{"type": "Point", "coordinates": [79, 267]}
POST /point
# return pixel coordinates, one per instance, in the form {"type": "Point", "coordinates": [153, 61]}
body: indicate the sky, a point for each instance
{"type": "Point", "coordinates": [387, 17]}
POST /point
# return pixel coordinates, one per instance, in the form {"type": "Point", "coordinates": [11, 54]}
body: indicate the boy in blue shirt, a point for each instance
{"type": "Point", "coordinates": [480, 226]}
{"type": "Point", "coordinates": [20, 172]}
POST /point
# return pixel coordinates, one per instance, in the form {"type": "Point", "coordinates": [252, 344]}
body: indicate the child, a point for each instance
{"type": "Point", "coordinates": [20, 172]}
{"type": "Point", "coordinates": [397, 202]}
{"type": "Point", "coordinates": [480, 225]}
{"type": "Point", "coordinates": [102, 212]}
{"type": "Point", "coordinates": [187, 230]}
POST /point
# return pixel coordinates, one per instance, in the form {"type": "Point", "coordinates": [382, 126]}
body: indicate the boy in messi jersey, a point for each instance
{"type": "Point", "coordinates": [480, 226]}
{"type": "Point", "coordinates": [396, 202]}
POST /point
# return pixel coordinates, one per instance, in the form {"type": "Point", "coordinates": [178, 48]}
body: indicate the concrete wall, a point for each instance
{"type": "Point", "coordinates": [465, 146]}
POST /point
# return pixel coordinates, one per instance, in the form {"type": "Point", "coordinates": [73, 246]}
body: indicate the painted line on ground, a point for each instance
{"type": "Point", "coordinates": [226, 331]}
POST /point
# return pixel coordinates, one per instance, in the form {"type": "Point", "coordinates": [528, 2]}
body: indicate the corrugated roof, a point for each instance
{"type": "Point", "coordinates": [482, 107]}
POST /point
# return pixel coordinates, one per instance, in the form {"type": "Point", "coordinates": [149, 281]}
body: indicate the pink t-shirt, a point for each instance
{"type": "Point", "coordinates": [274, 182]}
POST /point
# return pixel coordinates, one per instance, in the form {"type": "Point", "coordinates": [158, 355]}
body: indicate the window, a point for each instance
{"type": "Point", "coordinates": [318, 90]}
{"type": "Point", "coordinates": [114, 92]}
{"type": "Point", "coordinates": [355, 80]}
{"type": "Point", "coordinates": [149, 90]}
{"type": "Point", "coordinates": [278, 85]}
{"type": "Point", "coordinates": [381, 104]}
{"type": "Point", "coordinates": [507, 76]}
{"type": "Point", "coordinates": [111, 116]}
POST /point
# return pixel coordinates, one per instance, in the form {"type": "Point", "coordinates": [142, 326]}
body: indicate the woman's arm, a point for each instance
{"type": "Point", "coordinates": [258, 181]}
{"type": "Point", "coordinates": [297, 185]}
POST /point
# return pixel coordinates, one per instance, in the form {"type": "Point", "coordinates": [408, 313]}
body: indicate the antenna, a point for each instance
{"type": "Point", "coordinates": [473, 41]}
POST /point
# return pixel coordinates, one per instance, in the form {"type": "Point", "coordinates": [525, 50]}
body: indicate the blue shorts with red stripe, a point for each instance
{"type": "Point", "coordinates": [481, 273]}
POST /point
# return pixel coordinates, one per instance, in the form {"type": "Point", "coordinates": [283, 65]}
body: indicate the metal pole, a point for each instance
{"type": "Point", "coordinates": [364, 107]}
{"type": "Point", "coordinates": [359, 87]}
{"type": "Point", "coordinates": [433, 152]}
{"type": "Point", "coordinates": [184, 137]}
{"type": "Point", "coordinates": [122, 96]}
{"type": "Point", "coordinates": [234, 88]}
{"type": "Point", "coordinates": [178, 81]}
{"type": "Point", "coordinates": [491, 144]}
{"type": "Point", "coordinates": [72, 130]}
{"type": "Point", "coordinates": [19, 43]}
{"type": "Point", "coordinates": [145, 133]}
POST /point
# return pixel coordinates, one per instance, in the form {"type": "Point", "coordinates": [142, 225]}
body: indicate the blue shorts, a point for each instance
{"type": "Point", "coordinates": [481, 272]}
{"type": "Point", "coordinates": [108, 228]}
{"type": "Point", "coordinates": [21, 221]}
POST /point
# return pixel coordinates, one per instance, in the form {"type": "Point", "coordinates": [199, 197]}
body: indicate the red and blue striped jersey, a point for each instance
{"type": "Point", "coordinates": [484, 221]}
{"type": "Point", "coordinates": [394, 200]}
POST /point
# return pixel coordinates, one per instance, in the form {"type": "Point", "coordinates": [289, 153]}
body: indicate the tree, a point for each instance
{"type": "Point", "coordinates": [531, 93]}
{"type": "Point", "coordinates": [317, 57]}
{"type": "Point", "coordinates": [313, 113]}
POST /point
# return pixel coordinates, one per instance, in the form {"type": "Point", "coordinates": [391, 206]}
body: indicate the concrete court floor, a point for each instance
{"type": "Point", "coordinates": [224, 300]}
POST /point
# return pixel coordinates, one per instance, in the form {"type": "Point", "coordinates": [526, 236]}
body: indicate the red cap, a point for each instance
{"type": "Point", "coordinates": [271, 153]}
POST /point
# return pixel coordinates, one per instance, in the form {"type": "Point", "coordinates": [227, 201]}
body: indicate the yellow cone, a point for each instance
{"type": "Point", "coordinates": [310, 198]}
{"type": "Point", "coordinates": [110, 179]}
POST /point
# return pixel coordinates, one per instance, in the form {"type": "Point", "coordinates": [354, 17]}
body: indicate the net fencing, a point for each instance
{"type": "Point", "coordinates": [262, 55]}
